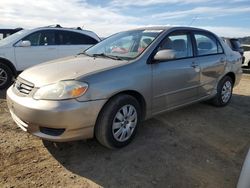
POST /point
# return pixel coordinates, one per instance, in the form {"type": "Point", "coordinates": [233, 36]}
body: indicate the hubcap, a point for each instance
{"type": "Point", "coordinates": [124, 123]}
{"type": "Point", "coordinates": [226, 92]}
{"type": "Point", "coordinates": [3, 77]}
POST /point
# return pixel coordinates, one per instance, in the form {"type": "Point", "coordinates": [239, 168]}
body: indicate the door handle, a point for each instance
{"type": "Point", "coordinates": [194, 65]}
{"type": "Point", "coordinates": [51, 48]}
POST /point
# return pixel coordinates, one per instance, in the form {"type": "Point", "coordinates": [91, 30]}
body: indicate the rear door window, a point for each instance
{"type": "Point", "coordinates": [74, 38]}
{"type": "Point", "coordinates": [207, 45]}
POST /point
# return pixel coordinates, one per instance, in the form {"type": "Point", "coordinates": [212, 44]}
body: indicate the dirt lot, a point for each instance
{"type": "Point", "coordinates": [198, 146]}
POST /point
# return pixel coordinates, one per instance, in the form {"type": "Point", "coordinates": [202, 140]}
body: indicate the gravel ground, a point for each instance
{"type": "Point", "coordinates": [196, 146]}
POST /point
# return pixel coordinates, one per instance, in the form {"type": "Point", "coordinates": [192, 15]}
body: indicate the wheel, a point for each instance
{"type": "Point", "coordinates": [118, 121]}
{"type": "Point", "coordinates": [6, 76]}
{"type": "Point", "coordinates": [224, 92]}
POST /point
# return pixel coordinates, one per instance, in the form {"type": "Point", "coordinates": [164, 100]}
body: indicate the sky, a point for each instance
{"type": "Point", "coordinates": [229, 18]}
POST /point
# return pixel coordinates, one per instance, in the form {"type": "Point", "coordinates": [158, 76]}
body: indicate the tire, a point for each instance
{"type": "Point", "coordinates": [225, 86]}
{"type": "Point", "coordinates": [113, 129]}
{"type": "Point", "coordinates": [6, 76]}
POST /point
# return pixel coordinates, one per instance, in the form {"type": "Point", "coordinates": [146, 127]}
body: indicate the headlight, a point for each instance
{"type": "Point", "coordinates": [61, 90]}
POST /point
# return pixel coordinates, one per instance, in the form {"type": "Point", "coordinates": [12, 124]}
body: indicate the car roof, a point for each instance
{"type": "Point", "coordinates": [166, 28]}
{"type": "Point", "coordinates": [228, 38]}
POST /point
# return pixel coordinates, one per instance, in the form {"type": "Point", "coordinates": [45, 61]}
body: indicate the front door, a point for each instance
{"type": "Point", "coordinates": [175, 82]}
{"type": "Point", "coordinates": [42, 49]}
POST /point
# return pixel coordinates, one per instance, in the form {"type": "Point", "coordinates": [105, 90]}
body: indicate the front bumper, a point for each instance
{"type": "Point", "coordinates": [74, 119]}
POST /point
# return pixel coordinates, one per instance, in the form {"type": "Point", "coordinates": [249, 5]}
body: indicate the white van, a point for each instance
{"type": "Point", "coordinates": [30, 47]}
{"type": "Point", "coordinates": [246, 62]}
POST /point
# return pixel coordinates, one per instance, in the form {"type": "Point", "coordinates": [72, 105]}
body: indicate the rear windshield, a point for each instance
{"type": "Point", "coordinates": [235, 44]}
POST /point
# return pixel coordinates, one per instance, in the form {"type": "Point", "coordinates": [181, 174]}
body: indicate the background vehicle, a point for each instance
{"type": "Point", "coordinates": [244, 179]}
{"type": "Point", "coordinates": [246, 62]}
{"type": "Point", "coordinates": [234, 44]}
{"type": "Point", "coordinates": [7, 32]}
{"type": "Point", "coordinates": [128, 77]}
{"type": "Point", "coordinates": [27, 48]}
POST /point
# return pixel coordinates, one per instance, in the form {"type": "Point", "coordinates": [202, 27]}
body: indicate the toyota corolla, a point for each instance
{"type": "Point", "coordinates": [106, 91]}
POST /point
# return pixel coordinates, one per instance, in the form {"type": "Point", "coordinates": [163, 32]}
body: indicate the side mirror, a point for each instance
{"type": "Point", "coordinates": [24, 43]}
{"type": "Point", "coordinates": [165, 55]}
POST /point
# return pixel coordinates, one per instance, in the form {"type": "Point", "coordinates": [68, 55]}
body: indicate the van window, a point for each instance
{"type": "Point", "coordinates": [74, 38]}
{"type": "Point", "coordinates": [41, 38]}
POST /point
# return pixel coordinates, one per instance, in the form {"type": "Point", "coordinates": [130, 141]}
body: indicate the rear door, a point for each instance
{"type": "Point", "coordinates": [175, 82]}
{"type": "Point", "coordinates": [211, 59]}
{"type": "Point", "coordinates": [72, 43]}
{"type": "Point", "coordinates": [43, 48]}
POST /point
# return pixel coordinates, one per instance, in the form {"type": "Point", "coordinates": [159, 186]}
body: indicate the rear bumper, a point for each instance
{"type": "Point", "coordinates": [64, 120]}
{"type": "Point", "coordinates": [238, 77]}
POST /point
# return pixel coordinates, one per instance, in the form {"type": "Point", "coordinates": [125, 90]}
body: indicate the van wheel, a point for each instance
{"type": "Point", "coordinates": [6, 76]}
{"type": "Point", "coordinates": [224, 92]}
{"type": "Point", "coordinates": [118, 121]}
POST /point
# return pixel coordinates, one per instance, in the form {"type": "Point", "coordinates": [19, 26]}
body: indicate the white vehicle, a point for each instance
{"type": "Point", "coordinates": [246, 61]}
{"type": "Point", "coordinates": [244, 179]}
{"type": "Point", "coordinates": [27, 48]}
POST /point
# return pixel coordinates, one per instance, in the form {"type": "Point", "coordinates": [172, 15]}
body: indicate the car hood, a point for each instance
{"type": "Point", "coordinates": [67, 68]}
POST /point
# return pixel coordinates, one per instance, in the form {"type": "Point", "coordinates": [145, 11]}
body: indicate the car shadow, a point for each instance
{"type": "Point", "coordinates": [137, 165]}
{"type": "Point", "coordinates": [172, 148]}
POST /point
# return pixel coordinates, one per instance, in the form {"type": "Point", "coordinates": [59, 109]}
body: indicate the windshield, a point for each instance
{"type": "Point", "coordinates": [13, 37]}
{"type": "Point", "coordinates": [125, 45]}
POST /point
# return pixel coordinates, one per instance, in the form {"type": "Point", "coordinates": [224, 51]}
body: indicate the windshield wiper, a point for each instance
{"type": "Point", "coordinates": [84, 53]}
{"type": "Point", "coordinates": [108, 56]}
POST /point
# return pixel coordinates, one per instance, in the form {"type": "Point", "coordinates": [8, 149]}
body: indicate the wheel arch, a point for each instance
{"type": "Point", "coordinates": [9, 64]}
{"type": "Point", "coordinates": [138, 96]}
{"type": "Point", "coordinates": [231, 75]}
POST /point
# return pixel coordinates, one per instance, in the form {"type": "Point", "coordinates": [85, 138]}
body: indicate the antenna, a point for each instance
{"type": "Point", "coordinates": [193, 20]}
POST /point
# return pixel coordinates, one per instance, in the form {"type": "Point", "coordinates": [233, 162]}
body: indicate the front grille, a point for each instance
{"type": "Point", "coordinates": [24, 87]}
